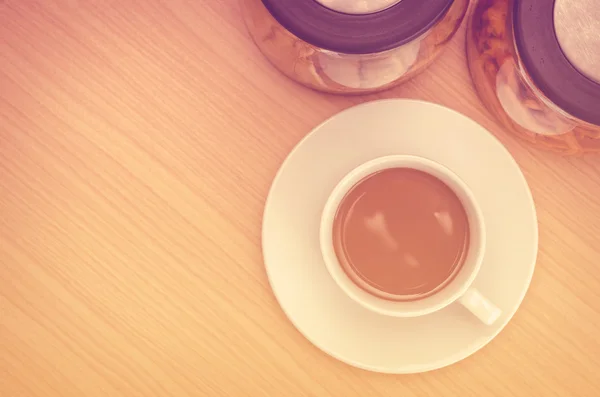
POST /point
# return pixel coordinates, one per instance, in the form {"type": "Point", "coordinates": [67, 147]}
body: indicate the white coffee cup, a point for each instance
{"type": "Point", "coordinates": [459, 290]}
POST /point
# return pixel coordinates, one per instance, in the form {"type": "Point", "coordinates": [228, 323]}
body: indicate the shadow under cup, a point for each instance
{"type": "Point", "coordinates": [451, 289]}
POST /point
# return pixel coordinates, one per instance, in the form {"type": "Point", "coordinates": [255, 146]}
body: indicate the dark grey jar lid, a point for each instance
{"type": "Point", "coordinates": [349, 33]}
{"type": "Point", "coordinates": [559, 45]}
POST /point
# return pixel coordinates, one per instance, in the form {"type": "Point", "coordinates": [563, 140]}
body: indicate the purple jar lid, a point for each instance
{"type": "Point", "coordinates": [547, 65]}
{"type": "Point", "coordinates": [357, 33]}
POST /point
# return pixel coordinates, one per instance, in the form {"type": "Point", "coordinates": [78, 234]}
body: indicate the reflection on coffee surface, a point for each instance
{"type": "Point", "coordinates": [401, 234]}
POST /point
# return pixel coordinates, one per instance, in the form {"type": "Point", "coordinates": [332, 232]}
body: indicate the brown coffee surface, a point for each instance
{"type": "Point", "coordinates": [401, 234]}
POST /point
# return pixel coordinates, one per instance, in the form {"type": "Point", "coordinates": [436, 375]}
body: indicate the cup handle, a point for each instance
{"type": "Point", "coordinates": [480, 306]}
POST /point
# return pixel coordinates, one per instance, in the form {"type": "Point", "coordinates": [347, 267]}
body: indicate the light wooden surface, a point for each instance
{"type": "Point", "coordinates": [138, 140]}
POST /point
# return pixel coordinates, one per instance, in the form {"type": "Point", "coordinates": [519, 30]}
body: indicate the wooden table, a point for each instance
{"type": "Point", "coordinates": [138, 140]}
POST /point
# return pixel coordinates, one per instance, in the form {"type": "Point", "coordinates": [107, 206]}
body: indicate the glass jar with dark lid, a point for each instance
{"type": "Point", "coordinates": [352, 46]}
{"type": "Point", "coordinates": [536, 66]}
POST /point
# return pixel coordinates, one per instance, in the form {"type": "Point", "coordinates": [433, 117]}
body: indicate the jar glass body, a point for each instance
{"type": "Point", "coordinates": [508, 92]}
{"type": "Point", "coordinates": [339, 73]}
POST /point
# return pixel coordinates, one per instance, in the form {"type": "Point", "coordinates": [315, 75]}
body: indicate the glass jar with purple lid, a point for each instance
{"type": "Point", "coordinates": [352, 46]}
{"type": "Point", "coordinates": [536, 66]}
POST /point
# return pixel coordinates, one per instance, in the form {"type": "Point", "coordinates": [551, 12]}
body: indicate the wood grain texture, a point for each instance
{"type": "Point", "coordinates": [138, 141]}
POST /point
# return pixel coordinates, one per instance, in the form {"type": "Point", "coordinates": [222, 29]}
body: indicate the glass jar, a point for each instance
{"type": "Point", "coordinates": [352, 46]}
{"type": "Point", "coordinates": [536, 67]}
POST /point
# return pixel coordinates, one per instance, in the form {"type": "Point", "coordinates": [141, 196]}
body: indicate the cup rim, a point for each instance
{"type": "Point", "coordinates": [387, 307]}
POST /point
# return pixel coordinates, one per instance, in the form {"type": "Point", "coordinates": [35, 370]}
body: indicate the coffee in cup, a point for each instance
{"type": "Point", "coordinates": [401, 234]}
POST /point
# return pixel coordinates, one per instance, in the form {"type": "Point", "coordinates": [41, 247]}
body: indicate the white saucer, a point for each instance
{"type": "Point", "coordinates": [297, 273]}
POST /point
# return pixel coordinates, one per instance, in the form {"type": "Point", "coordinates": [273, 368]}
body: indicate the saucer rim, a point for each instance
{"type": "Point", "coordinates": [470, 349]}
